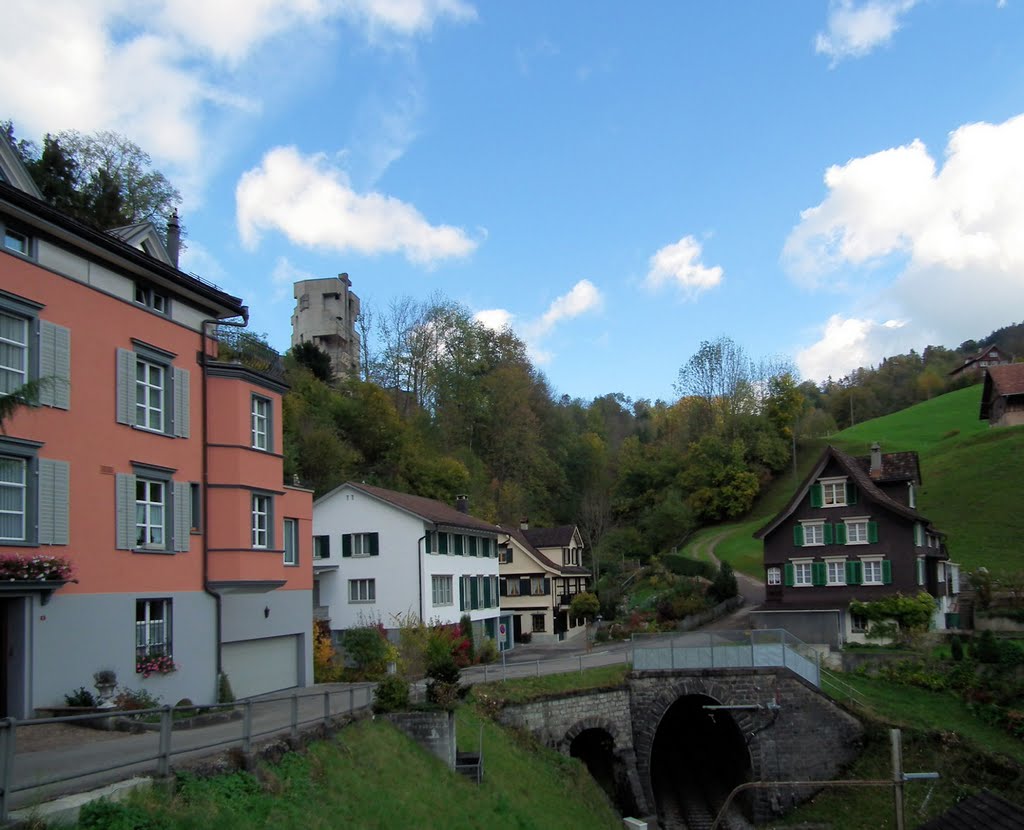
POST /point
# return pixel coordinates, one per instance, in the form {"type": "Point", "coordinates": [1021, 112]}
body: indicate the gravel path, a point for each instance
{"type": "Point", "coordinates": [48, 736]}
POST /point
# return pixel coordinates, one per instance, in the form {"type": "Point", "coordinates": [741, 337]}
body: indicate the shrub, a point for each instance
{"type": "Point", "coordinates": [724, 586]}
{"type": "Point", "coordinates": [466, 628]}
{"type": "Point", "coordinates": [129, 699]}
{"type": "Point", "coordinates": [391, 694]}
{"type": "Point", "coordinates": [985, 649]}
{"type": "Point", "coordinates": [80, 697]}
{"type": "Point", "coordinates": [956, 648]}
{"type": "Point", "coordinates": [106, 815]}
{"type": "Point", "coordinates": [488, 651]}
{"type": "Point", "coordinates": [225, 694]}
{"type": "Point", "coordinates": [368, 649]}
{"type": "Point", "coordinates": [683, 566]}
{"type": "Point", "coordinates": [324, 669]}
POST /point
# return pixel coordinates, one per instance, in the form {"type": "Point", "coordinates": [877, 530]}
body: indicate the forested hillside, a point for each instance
{"type": "Point", "coordinates": [447, 405]}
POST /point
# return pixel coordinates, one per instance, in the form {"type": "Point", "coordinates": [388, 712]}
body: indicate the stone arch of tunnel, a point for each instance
{"type": "Point", "coordinates": [697, 755]}
{"type": "Point", "coordinates": [597, 743]}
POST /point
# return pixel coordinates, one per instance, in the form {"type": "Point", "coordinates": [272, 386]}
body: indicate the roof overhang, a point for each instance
{"type": "Point", "coordinates": [246, 586]}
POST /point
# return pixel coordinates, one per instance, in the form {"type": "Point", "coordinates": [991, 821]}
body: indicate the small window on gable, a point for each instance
{"type": "Point", "coordinates": [151, 298]}
{"type": "Point", "coordinates": [833, 492]}
{"type": "Point", "coordinates": [18, 242]}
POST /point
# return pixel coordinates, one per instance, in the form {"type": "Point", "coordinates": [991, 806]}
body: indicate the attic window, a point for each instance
{"type": "Point", "coordinates": [833, 492]}
{"type": "Point", "coordinates": [150, 298]}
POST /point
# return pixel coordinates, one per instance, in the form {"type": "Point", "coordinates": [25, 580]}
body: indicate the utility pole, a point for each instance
{"type": "Point", "coordinates": [896, 745]}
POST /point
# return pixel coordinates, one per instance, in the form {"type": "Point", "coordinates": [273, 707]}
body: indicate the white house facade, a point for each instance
{"type": "Point", "coordinates": [381, 556]}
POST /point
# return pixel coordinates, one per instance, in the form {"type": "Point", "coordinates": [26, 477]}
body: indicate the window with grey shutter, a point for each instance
{"type": "Point", "coordinates": [182, 519]}
{"type": "Point", "coordinates": [182, 399]}
{"type": "Point", "coordinates": [125, 510]}
{"type": "Point", "coordinates": [126, 387]}
{"type": "Point", "coordinates": [55, 365]}
{"type": "Point", "coordinates": [54, 492]}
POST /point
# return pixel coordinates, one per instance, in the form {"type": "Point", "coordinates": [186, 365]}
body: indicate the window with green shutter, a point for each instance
{"type": "Point", "coordinates": [474, 593]}
{"type": "Point", "coordinates": [816, 495]}
{"type": "Point", "coordinates": [854, 573]}
{"type": "Point", "coordinates": [472, 540]}
{"type": "Point", "coordinates": [872, 532]}
{"type": "Point", "coordinates": [819, 574]}
{"type": "Point", "coordinates": [487, 592]}
{"type": "Point", "coordinates": [886, 572]}
{"type": "Point", "coordinates": [442, 543]}
{"type": "Point", "coordinates": [798, 535]}
{"type": "Point", "coordinates": [840, 533]}
{"type": "Point", "coordinates": [851, 493]}
{"type": "Point", "coordinates": [789, 577]}
{"type": "Point", "coordinates": [828, 534]}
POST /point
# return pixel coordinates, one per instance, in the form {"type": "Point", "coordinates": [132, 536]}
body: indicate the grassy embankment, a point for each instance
{"type": "Point", "coordinates": [972, 477]}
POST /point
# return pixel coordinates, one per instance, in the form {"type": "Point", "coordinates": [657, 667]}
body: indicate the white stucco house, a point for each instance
{"type": "Point", "coordinates": [380, 555]}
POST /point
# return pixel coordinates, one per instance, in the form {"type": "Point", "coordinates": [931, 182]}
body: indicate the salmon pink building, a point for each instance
{"type": "Point", "coordinates": [152, 464]}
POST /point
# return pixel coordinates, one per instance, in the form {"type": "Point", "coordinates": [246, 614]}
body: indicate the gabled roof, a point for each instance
{"type": "Point", "coordinates": [981, 354]}
{"type": "Point", "coordinates": [1001, 381]}
{"type": "Point", "coordinates": [429, 510]}
{"type": "Point", "coordinates": [857, 469]}
{"type": "Point", "coordinates": [984, 811]}
{"type": "Point", "coordinates": [896, 466]}
{"type": "Point", "coordinates": [13, 170]}
{"type": "Point", "coordinates": [551, 537]}
{"type": "Point", "coordinates": [145, 237]}
{"type": "Point", "coordinates": [522, 537]}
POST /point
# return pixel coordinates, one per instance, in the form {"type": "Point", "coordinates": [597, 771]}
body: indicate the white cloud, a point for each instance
{"type": "Point", "coordinates": [847, 343]}
{"type": "Point", "coordinates": [314, 205]}
{"type": "Point", "coordinates": [680, 264]}
{"type": "Point", "coordinates": [952, 233]}
{"type": "Point", "coordinates": [584, 297]}
{"type": "Point", "coordinates": [284, 276]}
{"type": "Point", "coordinates": [163, 72]}
{"type": "Point", "coordinates": [854, 30]}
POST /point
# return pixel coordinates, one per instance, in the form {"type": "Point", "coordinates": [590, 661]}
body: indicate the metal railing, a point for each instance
{"type": "Point", "coordinates": [281, 715]}
{"type": "Point", "coordinates": [757, 648]}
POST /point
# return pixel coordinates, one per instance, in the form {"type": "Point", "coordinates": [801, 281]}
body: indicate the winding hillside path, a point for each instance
{"type": "Point", "coordinates": [751, 589]}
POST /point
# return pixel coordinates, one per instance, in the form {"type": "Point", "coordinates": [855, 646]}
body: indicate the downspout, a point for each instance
{"type": "Point", "coordinates": [206, 479]}
{"type": "Point", "coordinates": [419, 566]}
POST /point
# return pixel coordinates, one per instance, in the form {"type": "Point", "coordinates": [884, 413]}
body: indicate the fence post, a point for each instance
{"type": "Point", "coordinates": [247, 728]}
{"type": "Point", "coordinates": [8, 726]}
{"type": "Point", "coordinates": [327, 708]}
{"type": "Point", "coordinates": [538, 668]}
{"type": "Point", "coordinates": [163, 766]}
{"type": "Point", "coordinates": [295, 716]}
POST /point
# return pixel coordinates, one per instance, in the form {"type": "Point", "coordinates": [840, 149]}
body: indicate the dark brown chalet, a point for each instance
{"type": "Point", "coordinates": [1002, 396]}
{"type": "Point", "coordinates": [851, 531]}
{"type": "Point", "coordinates": [977, 363]}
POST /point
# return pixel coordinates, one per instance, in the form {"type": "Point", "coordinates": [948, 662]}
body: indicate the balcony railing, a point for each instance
{"type": "Point", "coordinates": [235, 345]}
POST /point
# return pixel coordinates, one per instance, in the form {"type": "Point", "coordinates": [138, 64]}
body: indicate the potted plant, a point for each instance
{"type": "Point", "coordinates": [105, 681]}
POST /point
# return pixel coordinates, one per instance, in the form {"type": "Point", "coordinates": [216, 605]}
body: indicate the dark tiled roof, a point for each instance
{"type": "Point", "coordinates": [551, 537]}
{"type": "Point", "coordinates": [980, 355]}
{"type": "Point", "coordinates": [896, 466]}
{"type": "Point", "coordinates": [522, 537]}
{"type": "Point", "coordinates": [857, 469]}
{"type": "Point", "coordinates": [430, 509]}
{"type": "Point", "coordinates": [984, 811]}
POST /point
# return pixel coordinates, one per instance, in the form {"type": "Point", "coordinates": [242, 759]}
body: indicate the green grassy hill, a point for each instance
{"type": "Point", "coordinates": [973, 477]}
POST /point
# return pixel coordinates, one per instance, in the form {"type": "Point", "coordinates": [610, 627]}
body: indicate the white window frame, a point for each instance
{"type": "Point", "coordinates": [861, 524]}
{"type": "Point", "coordinates": [818, 528]}
{"type": "Point", "coordinates": [19, 490]}
{"type": "Point", "coordinates": [441, 590]}
{"type": "Point", "coordinates": [151, 298]}
{"type": "Point", "coordinates": [260, 423]}
{"type": "Point", "coordinates": [23, 242]}
{"type": "Point", "coordinates": [156, 617]}
{"type": "Point", "coordinates": [775, 576]}
{"type": "Point", "coordinates": [261, 512]}
{"type": "Point", "coordinates": [872, 563]}
{"type": "Point", "coordinates": [362, 590]}
{"type": "Point", "coordinates": [152, 513]}
{"type": "Point", "coordinates": [835, 572]}
{"type": "Point", "coordinates": [834, 488]}
{"type": "Point", "coordinates": [290, 542]}
{"type": "Point", "coordinates": [799, 571]}
{"type": "Point", "coordinates": [150, 381]}
{"type": "Point", "coordinates": [360, 545]}
{"type": "Point", "coordinates": [858, 623]}
{"type": "Point", "coordinates": [15, 374]}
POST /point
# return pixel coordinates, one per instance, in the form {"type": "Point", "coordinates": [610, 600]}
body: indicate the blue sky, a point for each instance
{"type": "Point", "coordinates": [829, 182]}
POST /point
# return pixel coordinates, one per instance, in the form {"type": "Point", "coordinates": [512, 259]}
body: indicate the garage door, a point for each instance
{"type": "Point", "coordinates": [256, 667]}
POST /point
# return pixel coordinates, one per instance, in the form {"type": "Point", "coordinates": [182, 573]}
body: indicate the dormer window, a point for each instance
{"type": "Point", "coordinates": [833, 492]}
{"type": "Point", "coordinates": [150, 298]}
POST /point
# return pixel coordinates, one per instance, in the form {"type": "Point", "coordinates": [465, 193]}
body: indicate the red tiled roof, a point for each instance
{"type": "Point", "coordinates": [551, 537]}
{"type": "Point", "coordinates": [1007, 379]}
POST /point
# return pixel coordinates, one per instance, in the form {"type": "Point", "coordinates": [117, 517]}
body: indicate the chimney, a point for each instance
{"type": "Point", "coordinates": [876, 460]}
{"type": "Point", "coordinates": [173, 238]}
{"type": "Point", "coordinates": [524, 523]}
{"type": "Point", "coordinates": [462, 503]}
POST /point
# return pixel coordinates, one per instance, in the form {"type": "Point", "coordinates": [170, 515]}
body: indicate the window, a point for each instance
{"type": "Point", "coordinates": [538, 623]}
{"type": "Point", "coordinates": [196, 506]}
{"type": "Point", "coordinates": [150, 513]}
{"type": "Point", "coordinates": [360, 544]}
{"type": "Point", "coordinates": [18, 242]}
{"type": "Point", "coordinates": [833, 493]}
{"type": "Point", "coordinates": [505, 555]}
{"type": "Point", "coordinates": [291, 542]}
{"type": "Point", "coordinates": [362, 590]}
{"type": "Point", "coordinates": [774, 576]}
{"type": "Point", "coordinates": [510, 587]}
{"type": "Point", "coordinates": [872, 572]}
{"type": "Point", "coordinates": [150, 298]}
{"type": "Point", "coordinates": [538, 586]}
{"type": "Point", "coordinates": [856, 531]}
{"type": "Point", "coordinates": [836, 572]}
{"type": "Point", "coordinates": [152, 394]}
{"type": "Point", "coordinates": [858, 623]}
{"type": "Point", "coordinates": [152, 628]}
{"type": "Point", "coordinates": [261, 409]}
{"type": "Point", "coordinates": [31, 348]}
{"type": "Point", "coordinates": [802, 574]}
{"type": "Point", "coordinates": [814, 534]}
{"type": "Point", "coordinates": [321, 547]}
{"type": "Point", "coordinates": [13, 352]}
{"type": "Point", "coordinates": [13, 499]}
{"type": "Point", "coordinates": [261, 505]}
{"type": "Point", "coordinates": [441, 590]}
{"type": "Point", "coordinates": [154, 512]}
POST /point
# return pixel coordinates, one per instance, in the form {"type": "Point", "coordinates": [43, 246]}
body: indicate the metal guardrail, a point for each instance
{"type": "Point", "coordinates": [334, 703]}
{"type": "Point", "coordinates": [840, 689]}
{"type": "Point", "coordinates": [757, 648]}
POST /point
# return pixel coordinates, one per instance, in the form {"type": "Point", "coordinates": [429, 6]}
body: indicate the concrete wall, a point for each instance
{"type": "Point", "coordinates": [434, 731]}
